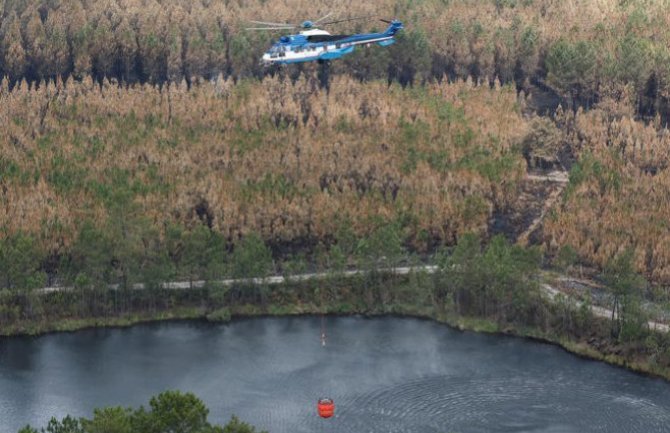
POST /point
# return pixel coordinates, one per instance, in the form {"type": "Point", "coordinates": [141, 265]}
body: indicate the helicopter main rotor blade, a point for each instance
{"type": "Point", "coordinates": [269, 28]}
{"type": "Point", "coordinates": [345, 20]}
{"type": "Point", "coordinates": [323, 18]}
{"type": "Point", "coordinates": [265, 23]}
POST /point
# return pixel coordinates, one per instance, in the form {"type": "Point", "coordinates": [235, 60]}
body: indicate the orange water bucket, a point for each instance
{"type": "Point", "coordinates": [325, 407]}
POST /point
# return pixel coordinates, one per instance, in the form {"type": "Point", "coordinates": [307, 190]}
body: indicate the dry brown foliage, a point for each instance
{"type": "Point", "coordinates": [280, 158]}
{"type": "Point", "coordinates": [157, 40]}
{"type": "Point", "coordinates": [619, 196]}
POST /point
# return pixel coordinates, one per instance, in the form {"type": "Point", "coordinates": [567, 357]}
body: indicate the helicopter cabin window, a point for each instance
{"type": "Point", "coordinates": [338, 45]}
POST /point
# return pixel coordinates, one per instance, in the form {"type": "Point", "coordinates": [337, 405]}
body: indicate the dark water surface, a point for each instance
{"type": "Point", "coordinates": [385, 375]}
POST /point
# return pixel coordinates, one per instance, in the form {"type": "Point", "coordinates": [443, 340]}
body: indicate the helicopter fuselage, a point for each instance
{"type": "Point", "coordinates": [316, 44]}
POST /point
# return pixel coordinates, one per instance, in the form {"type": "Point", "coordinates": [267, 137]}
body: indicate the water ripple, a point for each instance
{"type": "Point", "coordinates": [382, 377]}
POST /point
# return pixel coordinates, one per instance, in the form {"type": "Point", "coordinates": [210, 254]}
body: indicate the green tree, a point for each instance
{"type": "Point", "coordinates": [35, 39]}
{"type": "Point", "coordinates": [571, 68]}
{"type": "Point", "coordinates": [382, 249]}
{"type": "Point", "coordinates": [244, 51]}
{"type": "Point", "coordinates": [172, 412]}
{"type": "Point", "coordinates": [79, 36]}
{"type": "Point", "coordinates": [126, 41]}
{"type": "Point", "coordinates": [500, 280]}
{"type": "Point", "coordinates": [196, 56]}
{"type": "Point", "coordinates": [385, 246]}
{"type": "Point", "coordinates": [237, 426]}
{"type": "Point", "coordinates": [509, 271]}
{"type": "Point", "coordinates": [203, 253]}
{"type": "Point", "coordinates": [103, 47]}
{"type": "Point", "coordinates": [12, 48]}
{"type": "Point", "coordinates": [528, 55]}
{"type": "Point", "coordinates": [619, 275]}
{"type": "Point", "coordinates": [109, 420]}
{"type": "Point", "coordinates": [56, 49]}
{"type": "Point", "coordinates": [632, 62]}
{"type": "Point", "coordinates": [174, 57]}
{"type": "Point", "coordinates": [410, 58]}
{"type": "Point", "coordinates": [152, 41]}
{"type": "Point", "coordinates": [156, 266]}
{"type": "Point", "coordinates": [68, 424]}
{"type": "Point", "coordinates": [251, 258]}
{"type": "Point", "coordinates": [505, 54]}
{"type": "Point", "coordinates": [338, 260]}
{"type": "Point", "coordinates": [169, 412]}
{"type": "Point", "coordinates": [124, 228]}
{"type": "Point", "coordinates": [20, 260]}
{"type": "Point", "coordinates": [90, 260]}
{"type": "Point", "coordinates": [346, 238]}
{"type": "Point", "coordinates": [460, 274]}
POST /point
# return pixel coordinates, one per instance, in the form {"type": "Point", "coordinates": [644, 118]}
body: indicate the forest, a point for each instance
{"type": "Point", "coordinates": [141, 143]}
{"type": "Point", "coordinates": [102, 183]}
{"type": "Point", "coordinates": [583, 50]}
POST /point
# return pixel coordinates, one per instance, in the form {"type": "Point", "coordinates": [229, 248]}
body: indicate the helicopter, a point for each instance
{"type": "Point", "coordinates": [314, 44]}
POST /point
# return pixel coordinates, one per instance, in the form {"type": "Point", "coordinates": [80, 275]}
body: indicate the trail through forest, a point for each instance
{"type": "Point", "coordinates": [559, 181]}
{"type": "Point", "coordinates": [549, 290]}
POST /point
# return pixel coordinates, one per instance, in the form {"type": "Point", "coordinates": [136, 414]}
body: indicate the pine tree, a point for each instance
{"type": "Point", "coordinates": [56, 49]}
{"type": "Point", "coordinates": [80, 34]}
{"type": "Point", "coordinates": [128, 50]}
{"type": "Point", "coordinates": [103, 48]}
{"type": "Point", "coordinates": [174, 59]}
{"type": "Point", "coordinates": [196, 53]}
{"type": "Point", "coordinates": [35, 38]}
{"type": "Point", "coordinates": [11, 47]}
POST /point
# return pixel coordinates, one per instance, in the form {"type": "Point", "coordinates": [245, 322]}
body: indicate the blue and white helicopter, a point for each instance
{"type": "Point", "coordinates": [313, 43]}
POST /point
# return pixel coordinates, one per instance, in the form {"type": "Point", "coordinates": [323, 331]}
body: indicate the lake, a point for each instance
{"type": "Point", "coordinates": [384, 374]}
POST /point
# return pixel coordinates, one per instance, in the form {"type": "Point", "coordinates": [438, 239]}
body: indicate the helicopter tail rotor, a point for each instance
{"type": "Point", "coordinates": [394, 26]}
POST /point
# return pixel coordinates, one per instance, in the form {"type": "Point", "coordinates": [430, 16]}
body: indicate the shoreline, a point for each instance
{"type": "Point", "coordinates": [454, 321]}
